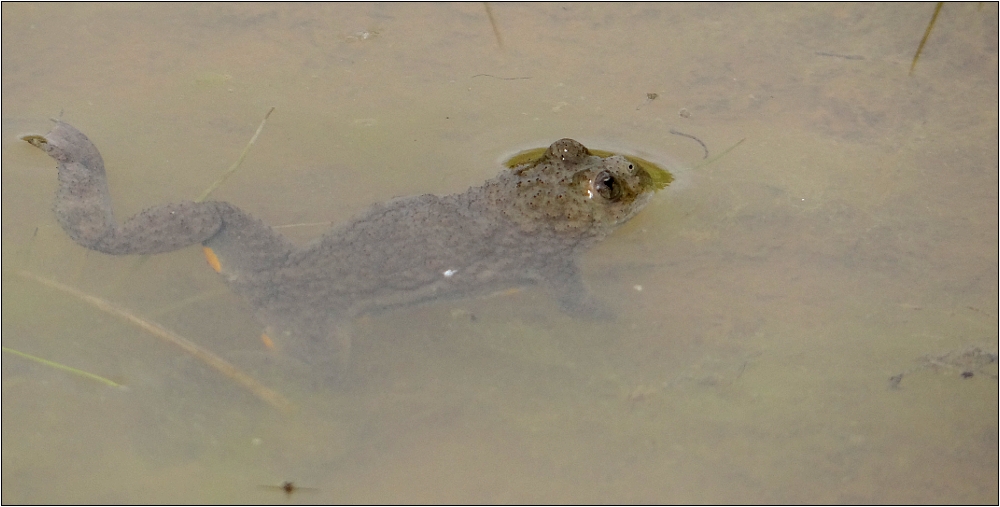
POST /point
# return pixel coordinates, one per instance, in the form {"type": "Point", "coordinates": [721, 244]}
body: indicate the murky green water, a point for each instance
{"type": "Point", "coordinates": [764, 301]}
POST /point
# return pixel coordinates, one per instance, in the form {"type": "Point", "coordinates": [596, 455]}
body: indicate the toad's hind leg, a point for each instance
{"type": "Point", "coordinates": [83, 204]}
{"type": "Point", "coordinates": [83, 207]}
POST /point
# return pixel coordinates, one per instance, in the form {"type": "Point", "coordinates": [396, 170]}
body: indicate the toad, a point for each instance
{"type": "Point", "coordinates": [526, 226]}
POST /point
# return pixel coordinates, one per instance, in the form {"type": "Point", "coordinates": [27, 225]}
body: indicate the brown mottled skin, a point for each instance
{"type": "Point", "coordinates": [525, 226]}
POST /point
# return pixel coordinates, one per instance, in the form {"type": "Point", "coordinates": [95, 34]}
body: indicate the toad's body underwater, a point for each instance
{"type": "Point", "coordinates": [525, 226]}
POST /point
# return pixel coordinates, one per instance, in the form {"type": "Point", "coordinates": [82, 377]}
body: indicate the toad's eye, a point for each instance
{"type": "Point", "coordinates": [607, 186]}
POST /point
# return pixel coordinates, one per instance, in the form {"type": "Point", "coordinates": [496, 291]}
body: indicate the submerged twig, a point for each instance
{"type": "Point", "coordinates": [211, 188]}
{"type": "Point", "coordinates": [190, 300]}
{"type": "Point", "coordinates": [63, 367]}
{"type": "Point", "coordinates": [689, 136]}
{"type": "Point", "coordinates": [927, 34]}
{"type": "Point", "coordinates": [838, 55]}
{"type": "Point", "coordinates": [501, 78]}
{"type": "Point", "coordinates": [493, 23]}
{"type": "Point", "coordinates": [258, 389]}
{"type": "Point", "coordinates": [704, 163]}
{"type": "Point", "coordinates": [304, 224]}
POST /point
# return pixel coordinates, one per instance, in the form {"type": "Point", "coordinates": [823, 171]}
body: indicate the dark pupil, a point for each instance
{"type": "Point", "coordinates": [608, 187]}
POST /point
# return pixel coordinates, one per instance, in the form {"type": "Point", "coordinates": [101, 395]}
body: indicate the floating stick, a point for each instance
{"type": "Point", "coordinates": [63, 367]}
{"type": "Point", "coordinates": [211, 188]}
{"type": "Point", "coordinates": [704, 163]}
{"type": "Point", "coordinates": [927, 34]}
{"type": "Point", "coordinates": [493, 23]}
